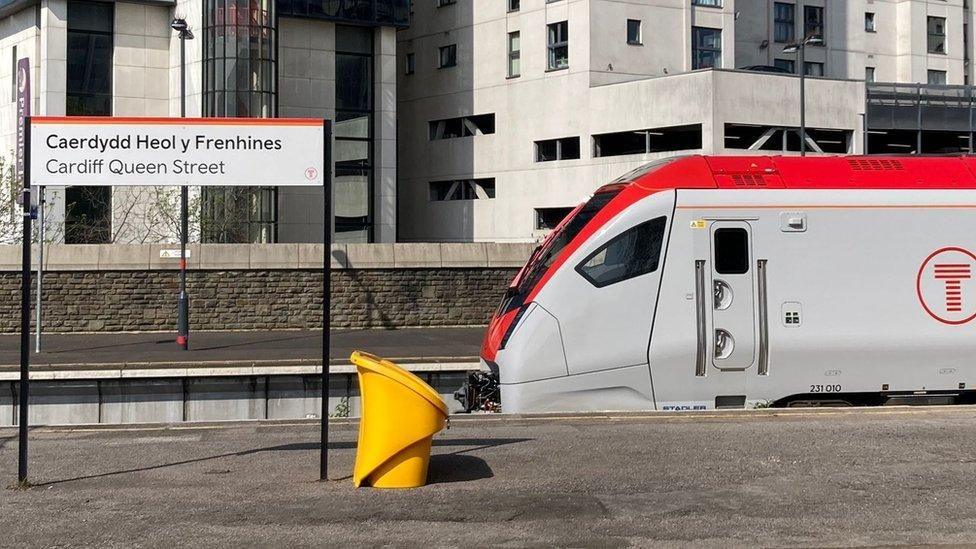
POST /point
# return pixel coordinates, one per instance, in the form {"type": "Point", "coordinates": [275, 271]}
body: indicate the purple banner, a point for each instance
{"type": "Point", "coordinates": [23, 109]}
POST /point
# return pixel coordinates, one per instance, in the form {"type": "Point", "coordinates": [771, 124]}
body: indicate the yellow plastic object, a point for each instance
{"type": "Point", "coordinates": [401, 414]}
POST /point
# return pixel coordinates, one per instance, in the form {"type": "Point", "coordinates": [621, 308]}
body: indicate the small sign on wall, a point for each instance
{"type": "Point", "coordinates": [171, 254]}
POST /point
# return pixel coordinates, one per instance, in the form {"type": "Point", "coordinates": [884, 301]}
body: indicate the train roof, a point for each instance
{"type": "Point", "coordinates": [810, 172]}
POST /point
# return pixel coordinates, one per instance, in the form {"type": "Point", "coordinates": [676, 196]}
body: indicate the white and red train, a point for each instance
{"type": "Point", "coordinates": [720, 282]}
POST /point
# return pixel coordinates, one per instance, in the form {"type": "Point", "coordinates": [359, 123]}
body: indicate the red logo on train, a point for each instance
{"type": "Point", "coordinates": [946, 285]}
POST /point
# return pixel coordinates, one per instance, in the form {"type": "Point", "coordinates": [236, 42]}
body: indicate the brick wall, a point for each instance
{"type": "Point", "coordinates": [252, 299]}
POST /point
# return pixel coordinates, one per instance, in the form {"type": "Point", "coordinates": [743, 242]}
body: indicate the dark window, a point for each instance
{"type": "Point", "coordinates": [869, 21]}
{"type": "Point", "coordinates": [462, 189]}
{"type": "Point", "coordinates": [410, 64]}
{"type": "Point", "coordinates": [869, 74]}
{"type": "Point", "coordinates": [557, 44]}
{"type": "Point", "coordinates": [785, 64]}
{"type": "Point", "coordinates": [706, 48]}
{"type": "Point", "coordinates": [813, 68]}
{"type": "Point", "coordinates": [549, 218]}
{"type": "Point", "coordinates": [513, 5]}
{"type": "Point", "coordinates": [633, 253]}
{"type": "Point", "coordinates": [465, 126]}
{"type": "Point", "coordinates": [89, 82]}
{"type": "Point", "coordinates": [813, 22]}
{"type": "Point", "coordinates": [442, 3]}
{"type": "Point", "coordinates": [88, 210]}
{"type": "Point", "coordinates": [707, 3]}
{"type": "Point", "coordinates": [369, 12]}
{"type": "Point", "coordinates": [731, 250]}
{"type": "Point", "coordinates": [448, 56]}
{"type": "Point", "coordinates": [634, 32]}
{"type": "Point", "coordinates": [784, 22]}
{"type": "Point", "coordinates": [936, 35]}
{"type": "Point", "coordinates": [567, 148]}
{"type": "Point", "coordinates": [674, 138]}
{"type": "Point", "coordinates": [937, 77]}
{"type": "Point", "coordinates": [353, 149]}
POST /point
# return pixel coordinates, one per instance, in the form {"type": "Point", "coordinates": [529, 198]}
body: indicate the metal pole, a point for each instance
{"type": "Point", "coordinates": [24, 400]}
{"type": "Point", "coordinates": [40, 266]}
{"type": "Point", "coordinates": [918, 121]}
{"type": "Point", "coordinates": [803, 99]}
{"type": "Point", "coordinates": [183, 307]}
{"type": "Point", "coordinates": [326, 297]}
{"type": "Point", "coordinates": [864, 133]}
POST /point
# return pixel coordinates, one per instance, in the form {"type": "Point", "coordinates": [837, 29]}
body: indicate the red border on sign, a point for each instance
{"type": "Point", "coordinates": [918, 284]}
{"type": "Point", "coordinates": [163, 121]}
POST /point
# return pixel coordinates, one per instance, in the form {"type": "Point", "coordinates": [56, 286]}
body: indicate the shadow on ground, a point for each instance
{"type": "Point", "coordinates": [444, 468]}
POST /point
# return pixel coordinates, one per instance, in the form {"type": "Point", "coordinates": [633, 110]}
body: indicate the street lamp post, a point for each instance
{"type": "Point", "coordinates": [800, 50]}
{"type": "Point", "coordinates": [183, 308]}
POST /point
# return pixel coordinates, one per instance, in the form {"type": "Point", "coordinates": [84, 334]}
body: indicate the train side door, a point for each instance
{"type": "Point", "coordinates": [733, 304]}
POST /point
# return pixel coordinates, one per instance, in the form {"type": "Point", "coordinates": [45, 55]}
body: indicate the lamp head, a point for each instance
{"type": "Point", "coordinates": [179, 25]}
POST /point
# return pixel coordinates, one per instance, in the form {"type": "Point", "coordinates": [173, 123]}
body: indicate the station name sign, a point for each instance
{"type": "Point", "coordinates": [106, 151]}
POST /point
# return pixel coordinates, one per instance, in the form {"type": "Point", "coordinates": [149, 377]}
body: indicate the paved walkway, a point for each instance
{"type": "Point", "coordinates": [759, 478]}
{"type": "Point", "coordinates": [286, 347]}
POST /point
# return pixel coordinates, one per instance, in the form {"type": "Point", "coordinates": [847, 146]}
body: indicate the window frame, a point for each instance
{"type": "Point", "coordinates": [514, 6]}
{"type": "Point", "coordinates": [696, 47]}
{"type": "Point", "coordinates": [557, 37]}
{"type": "Point", "coordinates": [639, 40]}
{"type": "Point", "coordinates": [937, 35]}
{"type": "Point", "coordinates": [782, 22]}
{"type": "Point", "coordinates": [869, 22]}
{"type": "Point", "coordinates": [514, 54]}
{"type": "Point", "coordinates": [745, 265]}
{"type": "Point", "coordinates": [650, 224]}
{"type": "Point", "coordinates": [943, 74]}
{"type": "Point", "coordinates": [409, 63]}
{"type": "Point", "coordinates": [440, 56]}
{"type": "Point", "coordinates": [807, 32]}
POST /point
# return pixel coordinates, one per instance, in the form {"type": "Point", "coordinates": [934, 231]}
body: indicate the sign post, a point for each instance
{"type": "Point", "coordinates": [226, 152]}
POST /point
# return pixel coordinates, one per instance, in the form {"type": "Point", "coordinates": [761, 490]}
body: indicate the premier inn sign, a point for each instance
{"type": "Point", "coordinates": [69, 151]}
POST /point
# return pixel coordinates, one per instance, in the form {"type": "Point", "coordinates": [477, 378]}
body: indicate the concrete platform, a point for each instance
{"type": "Point", "coordinates": [865, 477]}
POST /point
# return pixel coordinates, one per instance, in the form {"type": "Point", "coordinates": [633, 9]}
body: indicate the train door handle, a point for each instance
{"type": "Point", "coordinates": [722, 295]}
{"type": "Point", "coordinates": [724, 344]}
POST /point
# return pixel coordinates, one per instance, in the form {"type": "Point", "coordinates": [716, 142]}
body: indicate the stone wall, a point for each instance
{"type": "Point", "coordinates": [117, 294]}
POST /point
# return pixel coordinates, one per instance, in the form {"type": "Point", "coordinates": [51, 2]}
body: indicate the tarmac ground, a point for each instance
{"type": "Point", "coordinates": [98, 349]}
{"type": "Point", "coordinates": [829, 477]}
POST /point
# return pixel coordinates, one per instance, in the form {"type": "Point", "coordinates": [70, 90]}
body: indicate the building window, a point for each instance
{"type": "Point", "coordinates": [410, 64]}
{"type": "Point", "coordinates": [782, 139]}
{"type": "Point", "coordinates": [567, 148]}
{"type": "Point", "coordinates": [547, 219]}
{"type": "Point", "coordinates": [813, 22]}
{"type": "Point", "coordinates": [362, 12]}
{"type": "Point", "coordinates": [706, 48]}
{"type": "Point", "coordinates": [462, 189]}
{"type": "Point", "coordinates": [786, 64]}
{"type": "Point", "coordinates": [784, 22]}
{"type": "Point", "coordinates": [353, 147]}
{"type": "Point", "coordinates": [88, 210]}
{"type": "Point", "coordinates": [557, 43]}
{"type": "Point", "coordinates": [674, 138]}
{"type": "Point", "coordinates": [448, 56]}
{"type": "Point", "coordinates": [707, 3]}
{"type": "Point", "coordinates": [634, 32]}
{"type": "Point", "coordinates": [813, 68]}
{"type": "Point", "coordinates": [239, 79]}
{"type": "Point", "coordinates": [514, 55]}
{"type": "Point", "coordinates": [465, 126]}
{"type": "Point", "coordinates": [869, 74]}
{"type": "Point", "coordinates": [513, 5]}
{"type": "Point", "coordinates": [630, 254]}
{"type": "Point", "coordinates": [937, 36]}
{"type": "Point", "coordinates": [937, 77]}
{"type": "Point", "coordinates": [442, 3]}
{"type": "Point", "coordinates": [869, 21]}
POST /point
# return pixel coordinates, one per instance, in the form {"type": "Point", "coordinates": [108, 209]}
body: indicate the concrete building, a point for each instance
{"type": "Point", "coordinates": [251, 58]}
{"type": "Point", "coordinates": [514, 112]}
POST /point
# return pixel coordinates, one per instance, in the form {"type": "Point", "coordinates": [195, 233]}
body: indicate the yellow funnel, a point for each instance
{"type": "Point", "coordinates": [401, 414]}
